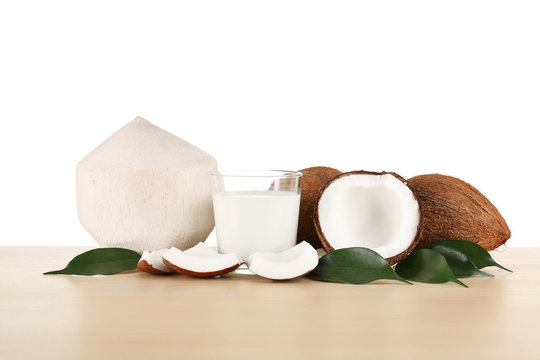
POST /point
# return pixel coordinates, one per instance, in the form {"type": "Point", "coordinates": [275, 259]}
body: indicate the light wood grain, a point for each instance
{"type": "Point", "coordinates": [136, 315]}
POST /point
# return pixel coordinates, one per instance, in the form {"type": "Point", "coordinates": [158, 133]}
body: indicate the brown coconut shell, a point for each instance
{"type": "Point", "coordinates": [454, 209]}
{"type": "Point", "coordinates": [327, 245]}
{"type": "Point", "coordinates": [313, 179]}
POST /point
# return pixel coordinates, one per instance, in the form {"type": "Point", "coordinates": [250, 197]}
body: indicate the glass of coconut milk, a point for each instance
{"type": "Point", "coordinates": [256, 210]}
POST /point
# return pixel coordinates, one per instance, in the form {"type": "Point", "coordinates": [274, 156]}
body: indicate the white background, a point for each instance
{"type": "Point", "coordinates": [408, 86]}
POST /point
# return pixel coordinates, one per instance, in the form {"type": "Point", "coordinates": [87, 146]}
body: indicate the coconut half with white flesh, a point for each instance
{"type": "Point", "coordinates": [201, 261]}
{"type": "Point", "coordinates": [152, 262]}
{"type": "Point", "coordinates": [369, 209]}
{"type": "Point", "coordinates": [289, 264]}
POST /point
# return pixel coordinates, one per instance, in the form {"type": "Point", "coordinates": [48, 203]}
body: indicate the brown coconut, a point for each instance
{"type": "Point", "coordinates": [453, 209]}
{"type": "Point", "coordinates": [313, 180]}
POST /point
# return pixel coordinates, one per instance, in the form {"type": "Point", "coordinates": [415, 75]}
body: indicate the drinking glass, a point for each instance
{"type": "Point", "coordinates": [256, 210]}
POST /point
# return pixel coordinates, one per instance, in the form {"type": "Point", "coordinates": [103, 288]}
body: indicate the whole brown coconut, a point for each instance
{"type": "Point", "coordinates": [313, 179]}
{"type": "Point", "coordinates": [453, 209]}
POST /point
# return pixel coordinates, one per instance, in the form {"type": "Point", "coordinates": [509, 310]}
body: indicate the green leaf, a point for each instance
{"type": "Point", "coordinates": [355, 265]}
{"type": "Point", "coordinates": [459, 263]}
{"type": "Point", "coordinates": [474, 252]}
{"type": "Point", "coordinates": [104, 261]}
{"type": "Point", "coordinates": [428, 266]}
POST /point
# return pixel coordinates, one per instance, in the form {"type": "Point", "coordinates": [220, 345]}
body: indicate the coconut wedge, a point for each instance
{"type": "Point", "coordinates": [289, 264]}
{"type": "Point", "coordinates": [152, 262]}
{"type": "Point", "coordinates": [369, 209]}
{"type": "Point", "coordinates": [201, 261]}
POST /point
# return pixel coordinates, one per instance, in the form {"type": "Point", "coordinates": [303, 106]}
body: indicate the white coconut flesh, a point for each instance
{"type": "Point", "coordinates": [288, 264]}
{"type": "Point", "coordinates": [378, 212]}
{"type": "Point", "coordinates": [201, 259]}
{"type": "Point", "coordinates": [155, 259]}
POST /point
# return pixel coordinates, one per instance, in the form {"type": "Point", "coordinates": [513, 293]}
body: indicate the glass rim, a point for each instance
{"type": "Point", "coordinates": [258, 173]}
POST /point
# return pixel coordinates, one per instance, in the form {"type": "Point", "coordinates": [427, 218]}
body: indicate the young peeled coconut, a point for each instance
{"type": "Point", "coordinates": [369, 209]}
{"type": "Point", "coordinates": [201, 261]}
{"type": "Point", "coordinates": [152, 262]}
{"type": "Point", "coordinates": [289, 264]}
{"type": "Point", "coordinates": [144, 188]}
{"type": "Point", "coordinates": [454, 209]}
{"type": "Point", "coordinates": [313, 180]}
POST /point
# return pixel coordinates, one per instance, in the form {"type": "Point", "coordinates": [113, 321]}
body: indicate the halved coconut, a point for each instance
{"type": "Point", "coordinates": [289, 264]}
{"type": "Point", "coordinates": [368, 209]}
{"type": "Point", "coordinates": [201, 261]}
{"type": "Point", "coordinates": [152, 262]}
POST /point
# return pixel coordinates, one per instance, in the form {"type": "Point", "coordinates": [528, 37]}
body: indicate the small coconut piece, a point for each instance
{"type": "Point", "coordinates": [313, 179]}
{"type": "Point", "coordinates": [201, 261]}
{"type": "Point", "coordinates": [152, 262]}
{"type": "Point", "coordinates": [369, 209]}
{"type": "Point", "coordinates": [454, 209]}
{"type": "Point", "coordinates": [289, 264]}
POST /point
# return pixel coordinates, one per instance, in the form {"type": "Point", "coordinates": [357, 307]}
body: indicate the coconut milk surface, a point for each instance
{"type": "Point", "coordinates": [256, 221]}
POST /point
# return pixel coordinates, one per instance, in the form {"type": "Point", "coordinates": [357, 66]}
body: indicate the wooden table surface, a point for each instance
{"type": "Point", "coordinates": [137, 315]}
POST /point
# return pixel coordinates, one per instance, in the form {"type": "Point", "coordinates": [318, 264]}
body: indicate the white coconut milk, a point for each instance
{"type": "Point", "coordinates": [256, 221]}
